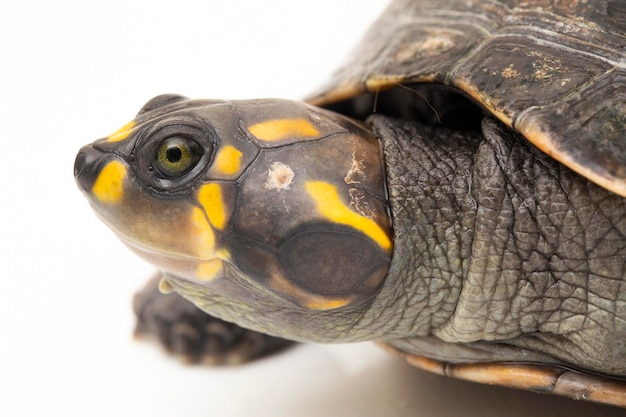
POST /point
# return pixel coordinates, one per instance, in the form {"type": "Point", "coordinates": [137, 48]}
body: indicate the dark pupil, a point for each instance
{"type": "Point", "coordinates": [173, 154]}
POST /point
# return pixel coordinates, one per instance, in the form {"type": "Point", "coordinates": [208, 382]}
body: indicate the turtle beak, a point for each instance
{"type": "Point", "coordinates": [87, 167]}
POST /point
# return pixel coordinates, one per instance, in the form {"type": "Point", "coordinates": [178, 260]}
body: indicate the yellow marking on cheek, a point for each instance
{"type": "Point", "coordinates": [330, 206]}
{"type": "Point", "coordinates": [121, 133]}
{"type": "Point", "coordinates": [109, 186]}
{"type": "Point", "coordinates": [203, 235]}
{"type": "Point", "coordinates": [210, 197]}
{"type": "Point", "coordinates": [283, 128]}
{"type": "Point", "coordinates": [228, 160]}
{"type": "Point", "coordinates": [208, 270]}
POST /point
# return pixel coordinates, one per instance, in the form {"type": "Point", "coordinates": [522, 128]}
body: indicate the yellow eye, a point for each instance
{"type": "Point", "coordinates": [176, 156]}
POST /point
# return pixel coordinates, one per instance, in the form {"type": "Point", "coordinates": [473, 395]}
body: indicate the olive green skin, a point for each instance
{"type": "Point", "coordinates": [501, 254]}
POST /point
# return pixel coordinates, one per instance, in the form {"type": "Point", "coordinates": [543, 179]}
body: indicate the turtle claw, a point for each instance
{"type": "Point", "coordinates": [195, 337]}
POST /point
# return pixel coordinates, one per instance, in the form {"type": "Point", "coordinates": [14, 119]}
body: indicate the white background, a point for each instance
{"type": "Point", "coordinates": [71, 72]}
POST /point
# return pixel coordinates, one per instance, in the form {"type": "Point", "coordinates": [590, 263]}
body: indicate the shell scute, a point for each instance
{"type": "Point", "coordinates": [553, 71]}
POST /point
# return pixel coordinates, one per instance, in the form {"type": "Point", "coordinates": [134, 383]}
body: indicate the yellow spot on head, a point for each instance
{"type": "Point", "coordinates": [329, 205]}
{"type": "Point", "coordinates": [203, 236]}
{"type": "Point", "coordinates": [210, 198]}
{"type": "Point", "coordinates": [228, 160]}
{"type": "Point", "coordinates": [210, 269]}
{"type": "Point", "coordinates": [121, 133]}
{"type": "Point", "coordinates": [278, 129]}
{"type": "Point", "coordinates": [109, 186]}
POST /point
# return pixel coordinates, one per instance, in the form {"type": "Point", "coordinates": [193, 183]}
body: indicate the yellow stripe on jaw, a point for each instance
{"type": "Point", "coordinates": [278, 129]}
{"type": "Point", "coordinates": [109, 186]}
{"type": "Point", "coordinates": [209, 270]}
{"type": "Point", "coordinates": [329, 205]}
{"type": "Point", "coordinates": [228, 160]}
{"type": "Point", "coordinates": [203, 236]}
{"type": "Point", "coordinates": [210, 198]}
{"type": "Point", "coordinates": [213, 212]}
{"type": "Point", "coordinates": [121, 133]}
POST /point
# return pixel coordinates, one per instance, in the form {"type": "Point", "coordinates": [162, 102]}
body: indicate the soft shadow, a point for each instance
{"type": "Point", "coordinates": [392, 388]}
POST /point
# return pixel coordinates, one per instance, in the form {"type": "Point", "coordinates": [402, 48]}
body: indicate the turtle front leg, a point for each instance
{"type": "Point", "coordinates": [188, 332]}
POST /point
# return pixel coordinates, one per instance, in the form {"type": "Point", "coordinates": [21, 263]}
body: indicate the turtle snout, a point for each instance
{"type": "Point", "coordinates": [87, 167]}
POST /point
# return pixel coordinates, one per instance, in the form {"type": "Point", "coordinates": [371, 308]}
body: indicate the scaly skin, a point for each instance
{"type": "Point", "coordinates": [501, 254]}
{"type": "Point", "coordinates": [495, 242]}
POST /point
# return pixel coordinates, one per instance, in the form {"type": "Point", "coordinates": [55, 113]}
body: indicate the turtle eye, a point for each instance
{"type": "Point", "coordinates": [171, 155]}
{"type": "Point", "coordinates": [176, 156]}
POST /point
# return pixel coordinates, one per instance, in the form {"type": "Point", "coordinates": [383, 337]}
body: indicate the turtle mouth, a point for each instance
{"type": "Point", "coordinates": [172, 263]}
{"type": "Point", "coordinates": [429, 104]}
{"type": "Point", "coordinates": [145, 250]}
{"type": "Point", "coordinates": [148, 251]}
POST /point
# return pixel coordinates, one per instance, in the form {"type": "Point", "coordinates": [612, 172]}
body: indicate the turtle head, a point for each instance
{"type": "Point", "coordinates": [262, 212]}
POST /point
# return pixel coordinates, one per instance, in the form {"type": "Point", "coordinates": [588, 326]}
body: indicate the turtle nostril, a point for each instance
{"type": "Point", "coordinates": [79, 164]}
{"type": "Point", "coordinates": [87, 166]}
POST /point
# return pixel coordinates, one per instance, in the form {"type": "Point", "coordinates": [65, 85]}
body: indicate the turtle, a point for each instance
{"type": "Point", "coordinates": [455, 193]}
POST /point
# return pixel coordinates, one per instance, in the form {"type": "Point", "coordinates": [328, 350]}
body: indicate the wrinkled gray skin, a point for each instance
{"type": "Point", "coordinates": [542, 250]}
{"type": "Point", "coordinates": [500, 254]}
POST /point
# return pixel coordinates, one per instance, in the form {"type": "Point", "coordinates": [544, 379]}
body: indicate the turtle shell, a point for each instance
{"type": "Point", "coordinates": [540, 378]}
{"type": "Point", "coordinates": [553, 71]}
